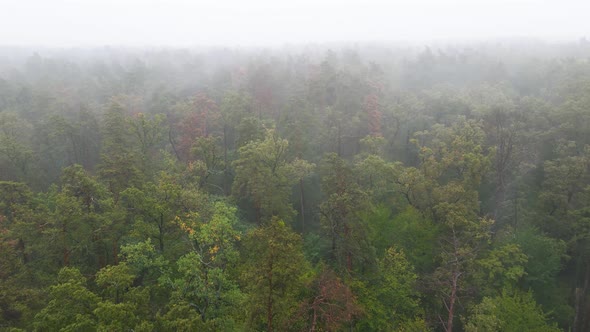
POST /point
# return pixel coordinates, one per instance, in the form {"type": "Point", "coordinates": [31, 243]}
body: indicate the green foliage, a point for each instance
{"type": "Point", "coordinates": [144, 260]}
{"type": "Point", "coordinates": [265, 176]}
{"type": "Point", "coordinates": [274, 273]}
{"type": "Point", "coordinates": [180, 317]}
{"type": "Point", "coordinates": [444, 187]}
{"type": "Point", "coordinates": [503, 267]}
{"type": "Point", "coordinates": [250, 129]}
{"type": "Point", "coordinates": [14, 148]}
{"type": "Point", "coordinates": [148, 133]}
{"type": "Point", "coordinates": [545, 256]}
{"type": "Point", "coordinates": [451, 183]}
{"type": "Point", "coordinates": [340, 212]}
{"type": "Point", "coordinates": [13, 194]}
{"type": "Point", "coordinates": [115, 280]}
{"type": "Point", "coordinates": [390, 299]}
{"type": "Point", "coordinates": [123, 306]}
{"type": "Point", "coordinates": [378, 178]}
{"type": "Point", "coordinates": [207, 157]}
{"type": "Point", "coordinates": [70, 306]}
{"type": "Point", "coordinates": [155, 207]}
{"type": "Point", "coordinates": [19, 301]}
{"type": "Point", "coordinates": [408, 230]}
{"type": "Point", "coordinates": [203, 280]}
{"type": "Point", "coordinates": [118, 166]}
{"type": "Point", "coordinates": [509, 312]}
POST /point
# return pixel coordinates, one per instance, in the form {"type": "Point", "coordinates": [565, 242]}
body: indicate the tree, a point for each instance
{"type": "Point", "coordinates": [70, 306]}
{"type": "Point", "coordinates": [153, 209]}
{"type": "Point", "coordinates": [274, 273]}
{"type": "Point", "coordinates": [15, 153]}
{"type": "Point", "coordinates": [331, 304]}
{"type": "Point", "coordinates": [118, 167]}
{"type": "Point", "coordinates": [509, 312]}
{"type": "Point", "coordinates": [408, 230]}
{"type": "Point", "coordinates": [123, 307]}
{"type": "Point", "coordinates": [18, 300]}
{"type": "Point", "coordinates": [340, 212]}
{"type": "Point", "coordinates": [145, 262]}
{"type": "Point", "coordinates": [266, 176]}
{"type": "Point", "coordinates": [371, 107]}
{"type": "Point", "coordinates": [502, 267]}
{"type": "Point", "coordinates": [453, 163]}
{"type": "Point", "coordinates": [148, 134]}
{"type": "Point", "coordinates": [200, 115]}
{"type": "Point", "coordinates": [204, 282]}
{"type": "Point", "coordinates": [95, 203]}
{"type": "Point", "coordinates": [506, 132]}
{"type": "Point", "coordinates": [564, 214]}
{"type": "Point", "coordinates": [207, 160]}
{"type": "Point", "coordinates": [390, 298]}
{"type": "Point", "coordinates": [70, 229]}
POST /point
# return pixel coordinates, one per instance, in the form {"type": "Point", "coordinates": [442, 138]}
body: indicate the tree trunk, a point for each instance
{"type": "Point", "coordinates": [348, 253]}
{"type": "Point", "coordinates": [580, 296]}
{"type": "Point", "coordinates": [269, 303]}
{"type": "Point", "coordinates": [115, 252]}
{"type": "Point", "coordinates": [314, 321]}
{"type": "Point", "coordinates": [171, 140]}
{"type": "Point", "coordinates": [339, 141]}
{"type": "Point", "coordinates": [66, 257]}
{"type": "Point", "coordinates": [348, 261]}
{"type": "Point", "coordinates": [225, 182]}
{"type": "Point", "coordinates": [257, 211]}
{"type": "Point", "coordinates": [453, 298]}
{"type": "Point", "coordinates": [161, 232]}
{"type": "Point", "coordinates": [66, 251]}
{"type": "Point", "coordinates": [302, 201]}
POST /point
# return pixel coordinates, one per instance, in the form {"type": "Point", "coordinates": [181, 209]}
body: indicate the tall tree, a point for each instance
{"type": "Point", "coordinates": [274, 272]}
{"type": "Point", "coordinates": [70, 306]}
{"type": "Point", "coordinates": [266, 176]}
{"type": "Point", "coordinates": [148, 135]}
{"type": "Point", "coordinates": [340, 211]}
{"type": "Point", "coordinates": [204, 281]}
{"type": "Point", "coordinates": [118, 167]}
{"type": "Point", "coordinates": [509, 312]}
{"type": "Point", "coordinates": [453, 163]}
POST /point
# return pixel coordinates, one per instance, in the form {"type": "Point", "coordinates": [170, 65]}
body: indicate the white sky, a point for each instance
{"type": "Point", "coordinates": [267, 22]}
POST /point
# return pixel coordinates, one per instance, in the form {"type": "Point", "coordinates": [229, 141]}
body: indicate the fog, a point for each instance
{"type": "Point", "coordinates": [71, 23]}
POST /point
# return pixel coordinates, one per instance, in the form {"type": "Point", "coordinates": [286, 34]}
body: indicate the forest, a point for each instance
{"type": "Point", "coordinates": [337, 187]}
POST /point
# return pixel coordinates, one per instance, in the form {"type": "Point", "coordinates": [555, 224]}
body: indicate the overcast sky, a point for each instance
{"type": "Point", "coordinates": [275, 22]}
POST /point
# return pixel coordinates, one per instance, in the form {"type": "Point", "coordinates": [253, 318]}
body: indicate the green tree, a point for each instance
{"type": "Point", "coordinates": [453, 163]}
{"type": "Point", "coordinates": [207, 160]}
{"type": "Point", "coordinates": [148, 136]}
{"type": "Point", "coordinates": [70, 306]}
{"type": "Point", "coordinates": [266, 176]}
{"type": "Point", "coordinates": [390, 299]}
{"type": "Point", "coordinates": [96, 209]}
{"type": "Point", "coordinates": [123, 306]}
{"type": "Point", "coordinates": [509, 312]}
{"type": "Point", "coordinates": [204, 281]}
{"type": "Point", "coordinates": [16, 155]}
{"type": "Point", "coordinates": [154, 208]}
{"type": "Point", "coordinates": [274, 273]}
{"type": "Point", "coordinates": [341, 211]}
{"type": "Point", "coordinates": [502, 267]}
{"type": "Point", "coordinates": [118, 167]}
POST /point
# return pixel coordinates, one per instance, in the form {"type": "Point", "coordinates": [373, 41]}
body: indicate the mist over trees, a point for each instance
{"type": "Point", "coordinates": [342, 187]}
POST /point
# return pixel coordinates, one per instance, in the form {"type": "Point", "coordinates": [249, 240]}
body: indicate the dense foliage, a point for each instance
{"type": "Point", "coordinates": [369, 188]}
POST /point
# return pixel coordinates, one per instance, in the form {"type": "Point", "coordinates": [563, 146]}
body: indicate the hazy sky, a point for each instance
{"type": "Point", "coordinates": [276, 22]}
